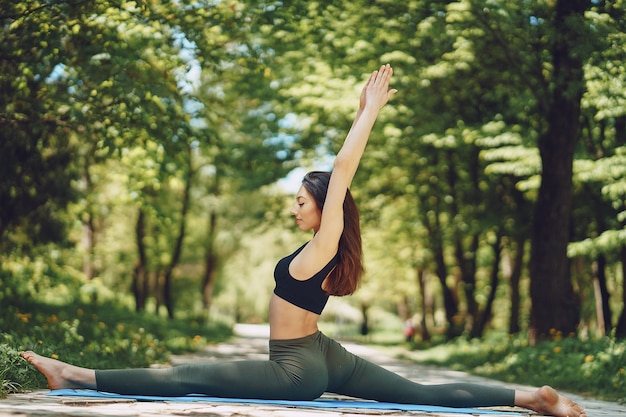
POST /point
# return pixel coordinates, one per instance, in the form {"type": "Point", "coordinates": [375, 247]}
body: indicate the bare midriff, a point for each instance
{"type": "Point", "coordinates": [288, 321]}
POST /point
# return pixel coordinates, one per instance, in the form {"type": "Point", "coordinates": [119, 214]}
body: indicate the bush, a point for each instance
{"type": "Point", "coordinates": [93, 335]}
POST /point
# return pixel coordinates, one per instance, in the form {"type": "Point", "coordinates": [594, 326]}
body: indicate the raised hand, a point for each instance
{"type": "Point", "coordinates": [376, 91]}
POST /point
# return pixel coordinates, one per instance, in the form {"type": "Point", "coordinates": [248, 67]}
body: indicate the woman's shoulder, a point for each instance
{"type": "Point", "coordinates": [310, 258]}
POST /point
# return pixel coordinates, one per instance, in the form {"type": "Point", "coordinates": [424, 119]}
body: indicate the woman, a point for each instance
{"type": "Point", "coordinates": [303, 362]}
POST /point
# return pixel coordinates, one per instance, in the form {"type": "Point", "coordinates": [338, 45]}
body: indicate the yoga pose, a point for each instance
{"type": "Point", "coordinates": [304, 363]}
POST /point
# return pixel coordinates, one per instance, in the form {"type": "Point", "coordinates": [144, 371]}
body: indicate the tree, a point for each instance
{"type": "Point", "coordinates": [197, 106]}
{"type": "Point", "coordinates": [245, 142]}
{"type": "Point", "coordinates": [599, 175]}
{"type": "Point", "coordinates": [37, 141]}
{"type": "Point", "coordinates": [555, 306]}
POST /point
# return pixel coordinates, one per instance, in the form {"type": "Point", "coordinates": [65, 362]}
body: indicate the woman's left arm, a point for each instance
{"type": "Point", "coordinates": [374, 96]}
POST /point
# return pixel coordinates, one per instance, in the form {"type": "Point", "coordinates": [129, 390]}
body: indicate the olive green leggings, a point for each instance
{"type": "Point", "coordinates": [298, 369]}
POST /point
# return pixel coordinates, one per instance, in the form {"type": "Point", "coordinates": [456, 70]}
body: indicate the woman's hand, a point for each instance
{"type": "Point", "coordinates": [376, 91]}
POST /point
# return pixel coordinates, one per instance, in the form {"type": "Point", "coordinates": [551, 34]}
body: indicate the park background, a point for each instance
{"type": "Point", "coordinates": [150, 150]}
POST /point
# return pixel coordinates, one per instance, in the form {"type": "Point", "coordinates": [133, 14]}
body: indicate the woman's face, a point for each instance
{"type": "Point", "coordinates": [308, 215]}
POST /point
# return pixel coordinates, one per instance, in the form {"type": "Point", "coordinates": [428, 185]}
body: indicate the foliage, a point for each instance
{"type": "Point", "coordinates": [609, 175]}
{"type": "Point", "coordinates": [590, 367]}
{"type": "Point", "coordinates": [12, 370]}
{"type": "Point", "coordinates": [143, 139]}
{"type": "Point", "coordinates": [104, 335]}
{"type": "Point", "coordinates": [59, 314]}
{"type": "Point", "coordinates": [472, 76]}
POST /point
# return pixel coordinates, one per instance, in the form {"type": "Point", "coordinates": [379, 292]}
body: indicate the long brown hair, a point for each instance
{"type": "Point", "coordinates": [346, 276]}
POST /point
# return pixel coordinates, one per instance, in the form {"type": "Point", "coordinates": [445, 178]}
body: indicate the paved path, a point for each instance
{"type": "Point", "coordinates": [252, 344]}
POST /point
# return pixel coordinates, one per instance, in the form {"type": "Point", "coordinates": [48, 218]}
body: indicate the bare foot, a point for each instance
{"type": "Point", "coordinates": [547, 401]}
{"type": "Point", "coordinates": [60, 374]}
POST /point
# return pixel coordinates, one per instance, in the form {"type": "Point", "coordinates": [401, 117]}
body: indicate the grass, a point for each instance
{"type": "Point", "coordinates": [110, 336]}
{"type": "Point", "coordinates": [593, 368]}
{"type": "Point", "coordinates": [93, 336]}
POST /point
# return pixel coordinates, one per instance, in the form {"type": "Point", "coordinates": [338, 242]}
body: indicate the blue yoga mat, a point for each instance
{"type": "Point", "coordinates": [319, 403]}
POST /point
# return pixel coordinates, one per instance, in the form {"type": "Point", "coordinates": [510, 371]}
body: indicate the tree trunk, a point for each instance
{"type": "Point", "coordinates": [520, 235]}
{"type": "Point", "coordinates": [89, 230]}
{"type": "Point", "coordinates": [140, 272]}
{"type": "Point", "coordinates": [514, 281]}
{"type": "Point", "coordinates": [468, 278]}
{"type": "Point", "coordinates": [485, 316]}
{"type": "Point", "coordinates": [211, 257]}
{"type": "Point", "coordinates": [404, 308]}
{"type": "Point", "coordinates": [210, 264]}
{"type": "Point", "coordinates": [554, 304]}
{"type": "Point", "coordinates": [466, 257]}
{"type": "Point", "coordinates": [365, 326]}
{"type": "Point", "coordinates": [168, 297]}
{"type": "Point", "coordinates": [430, 211]}
{"type": "Point", "coordinates": [421, 281]}
{"type": "Point", "coordinates": [449, 301]}
{"type": "Point", "coordinates": [157, 289]}
{"type": "Point", "coordinates": [601, 293]}
{"type": "Point", "coordinates": [620, 329]}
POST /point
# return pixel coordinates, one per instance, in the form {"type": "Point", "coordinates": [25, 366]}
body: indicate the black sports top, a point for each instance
{"type": "Point", "coordinates": [307, 294]}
